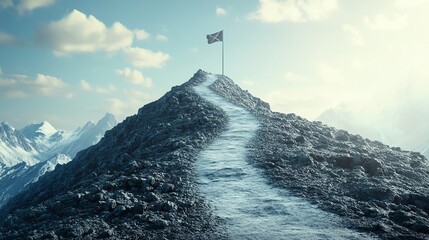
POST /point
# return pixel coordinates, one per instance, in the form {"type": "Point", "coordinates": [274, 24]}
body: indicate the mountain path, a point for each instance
{"type": "Point", "coordinates": [251, 208]}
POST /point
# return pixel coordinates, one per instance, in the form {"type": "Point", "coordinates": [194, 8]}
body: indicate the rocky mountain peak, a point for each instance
{"type": "Point", "coordinates": [6, 125]}
{"type": "Point", "coordinates": [38, 130]}
{"type": "Point", "coordinates": [139, 180]}
{"type": "Point", "coordinates": [108, 120]}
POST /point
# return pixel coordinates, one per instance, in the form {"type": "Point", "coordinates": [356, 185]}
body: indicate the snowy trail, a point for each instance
{"type": "Point", "coordinates": [253, 209]}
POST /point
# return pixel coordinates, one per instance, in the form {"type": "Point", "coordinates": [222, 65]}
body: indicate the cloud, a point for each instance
{"type": "Point", "coordinates": [6, 3]}
{"type": "Point", "coordinates": [85, 86]}
{"type": "Point", "coordinates": [220, 11]}
{"type": "Point", "coordinates": [135, 77]}
{"type": "Point", "coordinates": [141, 57]}
{"type": "Point", "coordinates": [48, 85]}
{"type": "Point", "coordinates": [383, 23]}
{"type": "Point", "coordinates": [116, 106]}
{"type": "Point", "coordinates": [136, 99]}
{"type": "Point", "coordinates": [248, 82]}
{"type": "Point", "coordinates": [77, 32]}
{"type": "Point", "coordinates": [354, 35]}
{"type": "Point", "coordinates": [124, 107]}
{"type": "Point", "coordinates": [141, 34]}
{"type": "Point", "coordinates": [30, 5]}
{"type": "Point", "coordinates": [16, 85]}
{"type": "Point", "coordinates": [161, 37]}
{"type": "Point", "coordinates": [274, 11]}
{"type": "Point", "coordinates": [8, 39]}
{"type": "Point", "coordinates": [293, 77]}
{"type": "Point", "coordinates": [105, 90]}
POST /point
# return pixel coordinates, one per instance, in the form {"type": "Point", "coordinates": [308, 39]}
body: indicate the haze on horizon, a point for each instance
{"type": "Point", "coordinates": [70, 62]}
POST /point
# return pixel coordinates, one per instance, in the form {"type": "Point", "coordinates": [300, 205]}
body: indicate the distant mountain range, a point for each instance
{"type": "Point", "coordinates": [388, 129]}
{"type": "Point", "coordinates": [30, 152]}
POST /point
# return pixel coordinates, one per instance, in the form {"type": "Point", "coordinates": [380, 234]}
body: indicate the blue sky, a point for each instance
{"type": "Point", "coordinates": [68, 62]}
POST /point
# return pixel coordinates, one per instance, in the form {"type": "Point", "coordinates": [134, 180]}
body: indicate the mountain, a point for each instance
{"type": "Point", "coordinates": [15, 147]}
{"type": "Point", "coordinates": [388, 129]}
{"type": "Point", "coordinates": [139, 180]}
{"type": "Point", "coordinates": [40, 130]}
{"type": "Point", "coordinates": [27, 154]}
{"type": "Point", "coordinates": [38, 142]}
{"type": "Point", "coordinates": [423, 148]}
{"type": "Point", "coordinates": [86, 136]}
{"type": "Point", "coordinates": [17, 178]}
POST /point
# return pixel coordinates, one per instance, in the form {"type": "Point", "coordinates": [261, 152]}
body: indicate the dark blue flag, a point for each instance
{"type": "Point", "coordinates": [215, 37]}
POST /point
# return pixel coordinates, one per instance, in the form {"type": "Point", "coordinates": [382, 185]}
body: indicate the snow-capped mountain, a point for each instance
{"type": "Point", "coordinates": [15, 147]}
{"type": "Point", "coordinates": [16, 178]}
{"type": "Point", "coordinates": [84, 137]}
{"type": "Point", "coordinates": [40, 130]}
{"type": "Point", "coordinates": [27, 154]}
{"type": "Point", "coordinates": [39, 142]}
{"type": "Point", "coordinates": [40, 134]}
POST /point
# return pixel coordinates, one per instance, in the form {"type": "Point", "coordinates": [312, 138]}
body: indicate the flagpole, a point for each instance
{"type": "Point", "coordinates": [222, 57]}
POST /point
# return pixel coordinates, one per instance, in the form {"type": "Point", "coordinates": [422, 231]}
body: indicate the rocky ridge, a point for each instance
{"type": "Point", "coordinates": [137, 182]}
{"type": "Point", "coordinates": [377, 188]}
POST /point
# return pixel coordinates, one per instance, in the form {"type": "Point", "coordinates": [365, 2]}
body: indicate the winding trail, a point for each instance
{"type": "Point", "coordinates": [251, 208]}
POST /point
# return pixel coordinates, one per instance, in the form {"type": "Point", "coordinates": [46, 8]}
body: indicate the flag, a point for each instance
{"type": "Point", "coordinates": [215, 37]}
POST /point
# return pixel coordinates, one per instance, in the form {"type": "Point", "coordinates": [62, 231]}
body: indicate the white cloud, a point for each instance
{"type": "Point", "coordinates": [116, 106]}
{"type": "Point", "coordinates": [383, 23]}
{"type": "Point", "coordinates": [6, 3]}
{"type": "Point", "coordinates": [135, 77]}
{"type": "Point", "coordinates": [161, 37]}
{"type": "Point", "coordinates": [134, 100]}
{"type": "Point", "coordinates": [354, 35]}
{"type": "Point", "coordinates": [24, 86]}
{"type": "Point", "coordinates": [293, 77]}
{"type": "Point", "coordinates": [141, 34]}
{"type": "Point", "coordinates": [77, 32]}
{"type": "Point", "coordinates": [220, 11]}
{"type": "Point", "coordinates": [272, 11]}
{"type": "Point", "coordinates": [48, 85]}
{"type": "Point", "coordinates": [248, 82]}
{"type": "Point", "coordinates": [141, 57]}
{"type": "Point", "coordinates": [85, 86]}
{"type": "Point", "coordinates": [105, 90]}
{"type": "Point", "coordinates": [9, 39]}
{"type": "Point", "coordinates": [30, 5]}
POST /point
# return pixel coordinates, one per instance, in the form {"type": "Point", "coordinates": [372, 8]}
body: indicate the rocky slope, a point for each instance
{"type": "Point", "coordinates": [379, 189]}
{"type": "Point", "coordinates": [27, 154]}
{"type": "Point", "coordinates": [137, 182]}
{"type": "Point", "coordinates": [410, 133]}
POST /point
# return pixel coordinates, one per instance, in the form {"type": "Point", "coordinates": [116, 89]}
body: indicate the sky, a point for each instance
{"type": "Point", "coordinates": [68, 62]}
